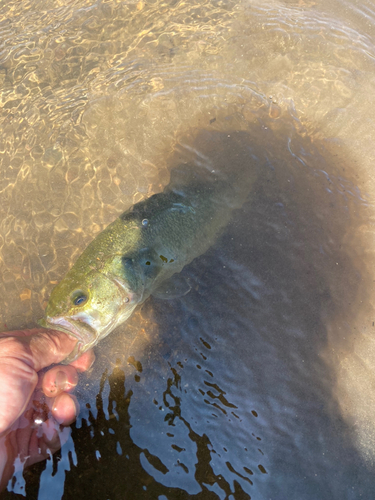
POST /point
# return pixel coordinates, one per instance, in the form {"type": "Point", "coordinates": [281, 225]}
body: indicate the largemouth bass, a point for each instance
{"type": "Point", "coordinates": [142, 249]}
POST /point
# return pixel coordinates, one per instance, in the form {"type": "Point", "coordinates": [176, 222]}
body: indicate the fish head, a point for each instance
{"type": "Point", "coordinates": [89, 305]}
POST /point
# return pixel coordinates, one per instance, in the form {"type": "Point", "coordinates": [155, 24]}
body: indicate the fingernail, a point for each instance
{"type": "Point", "coordinates": [65, 409]}
{"type": "Point", "coordinates": [61, 380]}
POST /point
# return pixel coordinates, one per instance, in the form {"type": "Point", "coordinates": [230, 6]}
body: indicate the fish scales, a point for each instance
{"type": "Point", "coordinates": [142, 249]}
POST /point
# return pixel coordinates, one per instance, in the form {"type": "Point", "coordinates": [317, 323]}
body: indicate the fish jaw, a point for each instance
{"type": "Point", "coordinates": [85, 328]}
{"type": "Point", "coordinates": [86, 335]}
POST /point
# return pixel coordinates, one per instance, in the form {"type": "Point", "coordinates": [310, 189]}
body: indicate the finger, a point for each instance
{"type": "Point", "coordinates": [84, 362]}
{"type": "Point", "coordinates": [7, 456]}
{"type": "Point", "coordinates": [59, 379]}
{"type": "Point", "coordinates": [37, 348]}
{"type": "Point", "coordinates": [65, 409]}
{"type": "Point", "coordinates": [18, 381]}
{"type": "Point", "coordinates": [54, 436]}
{"type": "Point", "coordinates": [46, 440]}
{"type": "Point", "coordinates": [49, 347]}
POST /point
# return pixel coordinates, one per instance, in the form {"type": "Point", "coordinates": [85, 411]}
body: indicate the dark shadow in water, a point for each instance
{"type": "Point", "coordinates": [231, 396]}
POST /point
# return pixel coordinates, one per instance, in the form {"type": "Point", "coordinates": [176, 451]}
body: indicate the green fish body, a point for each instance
{"type": "Point", "coordinates": [139, 251]}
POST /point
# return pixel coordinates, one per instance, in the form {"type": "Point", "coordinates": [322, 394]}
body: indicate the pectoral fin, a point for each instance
{"type": "Point", "coordinates": [173, 288]}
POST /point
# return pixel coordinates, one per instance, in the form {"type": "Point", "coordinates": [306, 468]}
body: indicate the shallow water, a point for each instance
{"type": "Point", "coordinates": [259, 382]}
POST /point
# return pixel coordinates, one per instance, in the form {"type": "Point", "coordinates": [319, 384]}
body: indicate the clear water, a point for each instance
{"type": "Point", "coordinates": [260, 382]}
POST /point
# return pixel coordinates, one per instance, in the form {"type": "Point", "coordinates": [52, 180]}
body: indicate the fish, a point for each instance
{"type": "Point", "coordinates": [142, 250]}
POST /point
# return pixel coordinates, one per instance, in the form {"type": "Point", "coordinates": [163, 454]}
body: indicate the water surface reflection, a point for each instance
{"type": "Point", "coordinates": [258, 383]}
{"type": "Point", "coordinates": [229, 391]}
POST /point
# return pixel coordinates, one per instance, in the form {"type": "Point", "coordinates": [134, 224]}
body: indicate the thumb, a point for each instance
{"type": "Point", "coordinates": [38, 348]}
{"type": "Point", "coordinates": [49, 346]}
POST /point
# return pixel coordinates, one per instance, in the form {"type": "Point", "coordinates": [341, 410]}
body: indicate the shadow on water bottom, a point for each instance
{"type": "Point", "coordinates": [228, 391]}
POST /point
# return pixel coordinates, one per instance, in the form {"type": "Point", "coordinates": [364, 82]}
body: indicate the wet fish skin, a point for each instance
{"type": "Point", "coordinates": [141, 249]}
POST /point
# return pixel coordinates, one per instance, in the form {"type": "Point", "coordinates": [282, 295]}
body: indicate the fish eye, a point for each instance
{"type": "Point", "coordinates": [79, 298]}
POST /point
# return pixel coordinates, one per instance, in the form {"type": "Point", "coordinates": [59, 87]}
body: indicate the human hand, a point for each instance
{"type": "Point", "coordinates": [35, 405]}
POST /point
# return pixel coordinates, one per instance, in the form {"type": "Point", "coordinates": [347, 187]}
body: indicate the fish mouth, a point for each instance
{"type": "Point", "coordinates": [83, 332]}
